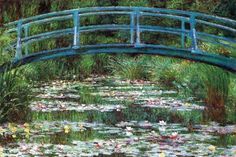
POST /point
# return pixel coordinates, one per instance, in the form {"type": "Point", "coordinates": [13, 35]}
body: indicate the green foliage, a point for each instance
{"type": "Point", "coordinates": [130, 68]}
{"type": "Point", "coordinates": [217, 87]}
{"type": "Point", "coordinates": [86, 96]}
{"type": "Point", "coordinates": [217, 83]}
{"type": "Point", "coordinates": [5, 50]}
{"type": "Point", "coordinates": [165, 71]}
{"type": "Point", "coordinates": [233, 85]}
{"type": "Point", "coordinates": [86, 66]}
{"type": "Point", "coordinates": [231, 106]}
{"type": "Point", "coordinates": [68, 68]}
{"type": "Point", "coordinates": [14, 96]}
{"type": "Point", "coordinates": [101, 65]}
{"type": "Point", "coordinates": [5, 39]}
{"type": "Point", "coordinates": [42, 71]}
{"type": "Point", "coordinates": [189, 82]}
{"type": "Point", "coordinates": [205, 81]}
{"type": "Point", "coordinates": [175, 4]}
{"type": "Point", "coordinates": [134, 3]}
{"type": "Point", "coordinates": [207, 47]}
{"type": "Point", "coordinates": [14, 89]}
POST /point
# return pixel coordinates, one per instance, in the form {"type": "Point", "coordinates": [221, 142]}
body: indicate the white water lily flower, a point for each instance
{"type": "Point", "coordinates": [129, 128]}
{"type": "Point", "coordinates": [174, 134]}
{"type": "Point", "coordinates": [162, 123]}
{"type": "Point", "coordinates": [153, 132]}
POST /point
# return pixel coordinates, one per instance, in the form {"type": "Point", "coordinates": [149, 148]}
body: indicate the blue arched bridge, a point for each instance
{"type": "Point", "coordinates": [140, 30]}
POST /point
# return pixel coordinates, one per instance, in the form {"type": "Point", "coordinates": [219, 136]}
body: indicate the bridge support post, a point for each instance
{"type": "Point", "coordinates": [76, 42]}
{"type": "Point", "coordinates": [26, 29]}
{"type": "Point", "coordinates": [132, 25]}
{"type": "Point", "coordinates": [183, 34]}
{"type": "Point", "coordinates": [18, 54]}
{"type": "Point", "coordinates": [193, 34]}
{"type": "Point", "coordinates": [138, 41]}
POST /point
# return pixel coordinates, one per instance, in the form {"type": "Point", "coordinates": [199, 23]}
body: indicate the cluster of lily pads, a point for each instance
{"type": "Point", "coordinates": [125, 137]}
{"type": "Point", "coordinates": [128, 138]}
{"type": "Point", "coordinates": [58, 95]}
{"type": "Point", "coordinates": [56, 105]}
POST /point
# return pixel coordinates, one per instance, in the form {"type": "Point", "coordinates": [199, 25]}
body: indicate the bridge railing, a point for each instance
{"type": "Point", "coordinates": [190, 30]}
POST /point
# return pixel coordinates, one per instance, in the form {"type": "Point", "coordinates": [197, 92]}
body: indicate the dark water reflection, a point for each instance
{"type": "Point", "coordinates": [131, 113]}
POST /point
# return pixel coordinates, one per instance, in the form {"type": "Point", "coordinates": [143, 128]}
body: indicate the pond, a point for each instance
{"type": "Point", "coordinates": [107, 116]}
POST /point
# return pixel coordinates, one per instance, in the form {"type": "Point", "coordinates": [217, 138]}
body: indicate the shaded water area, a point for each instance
{"type": "Point", "coordinates": [106, 116]}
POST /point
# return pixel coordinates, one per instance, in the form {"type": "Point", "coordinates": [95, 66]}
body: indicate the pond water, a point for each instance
{"type": "Point", "coordinates": [107, 116]}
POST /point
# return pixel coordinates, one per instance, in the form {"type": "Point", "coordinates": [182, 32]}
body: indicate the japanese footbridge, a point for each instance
{"type": "Point", "coordinates": [188, 28]}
